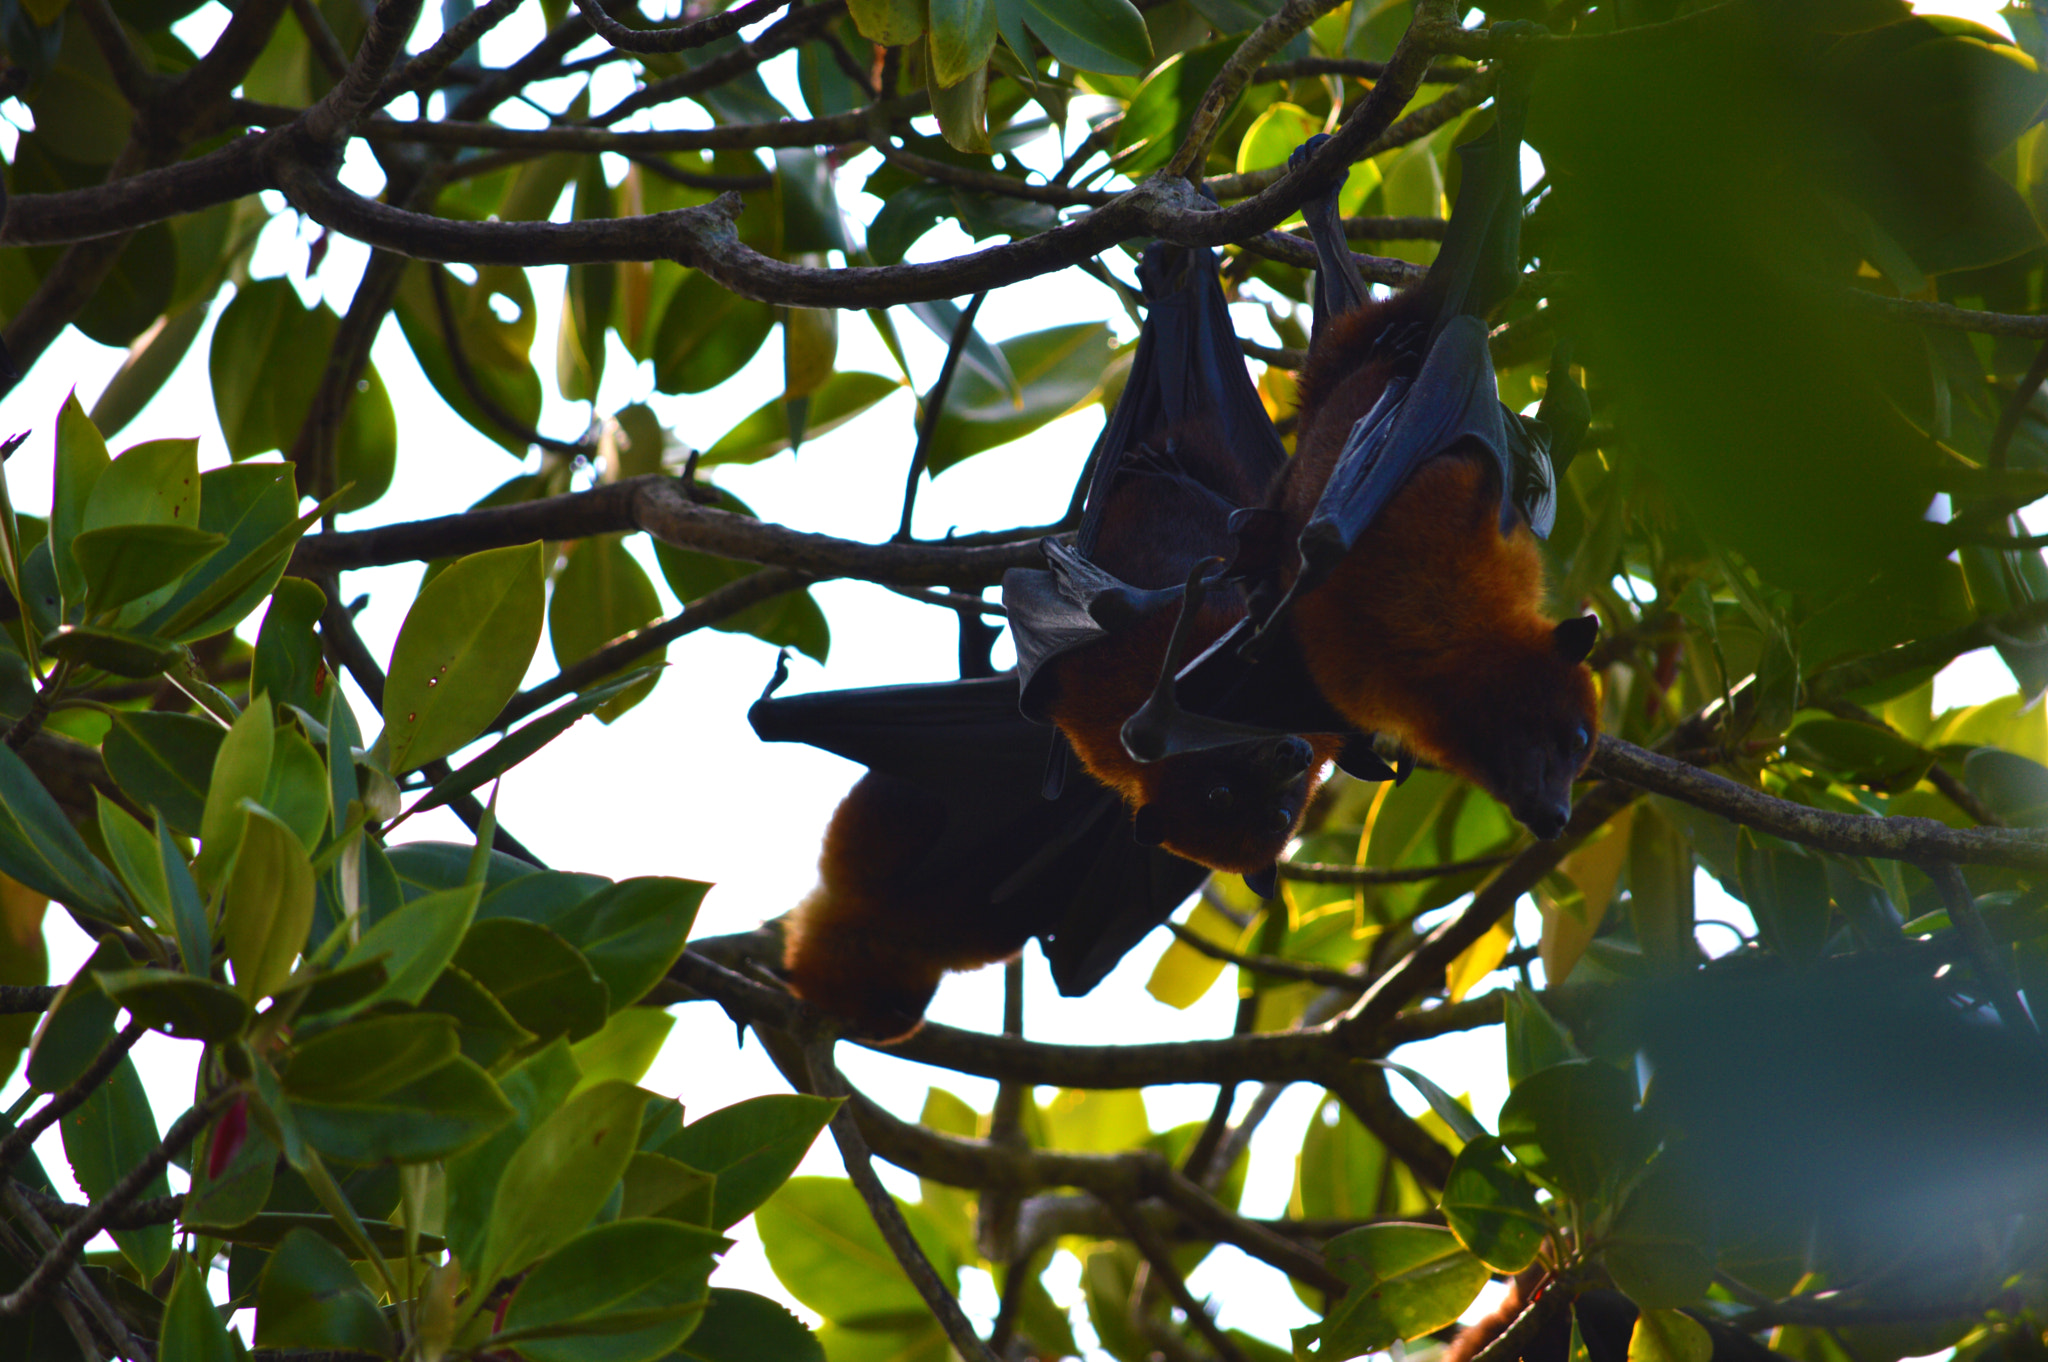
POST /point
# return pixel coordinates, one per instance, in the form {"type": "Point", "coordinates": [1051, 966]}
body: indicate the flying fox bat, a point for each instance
{"type": "Point", "coordinates": [946, 856]}
{"type": "Point", "coordinates": [1188, 445]}
{"type": "Point", "coordinates": [1394, 561]}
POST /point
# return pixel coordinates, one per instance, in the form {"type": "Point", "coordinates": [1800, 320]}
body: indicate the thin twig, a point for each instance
{"type": "Point", "coordinates": [1318, 872]}
{"type": "Point", "coordinates": [853, 1150]}
{"type": "Point", "coordinates": [934, 409]}
{"type": "Point", "coordinates": [80, 1285]}
{"type": "Point", "coordinates": [1271, 965]}
{"type": "Point", "coordinates": [70, 1097]}
{"type": "Point", "coordinates": [466, 375]}
{"type": "Point", "coordinates": [1155, 1252]}
{"type": "Point", "coordinates": [58, 1261]}
{"type": "Point", "coordinates": [2016, 407]}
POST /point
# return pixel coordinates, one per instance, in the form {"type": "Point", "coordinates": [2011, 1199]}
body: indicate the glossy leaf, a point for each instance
{"type": "Point", "coordinates": [178, 1004]}
{"type": "Point", "coordinates": [111, 650]}
{"type": "Point", "coordinates": [1449, 1109]}
{"type": "Point", "coordinates": [164, 762]}
{"type": "Point", "coordinates": [289, 665]}
{"type": "Point", "coordinates": [1407, 1280]}
{"type": "Point", "coordinates": [740, 1326]}
{"type": "Point", "coordinates": [1572, 1125]}
{"type": "Point", "coordinates": [432, 1116]}
{"type": "Point", "coordinates": [543, 981]}
{"type": "Point", "coordinates": [825, 1248]}
{"type": "Point", "coordinates": [111, 1133]}
{"type": "Point", "coordinates": [192, 1329]}
{"type": "Point", "coordinates": [790, 621]}
{"type": "Point", "coordinates": [39, 847]}
{"type": "Point", "coordinates": [601, 594]}
{"type": "Point", "coordinates": [1091, 35]}
{"type": "Point", "coordinates": [1491, 1207]}
{"type": "Point", "coordinates": [632, 931]}
{"type": "Point", "coordinates": [624, 1292]}
{"type": "Point", "coordinates": [752, 1147]}
{"type": "Point", "coordinates": [241, 767]}
{"type": "Point", "coordinates": [626, 1047]}
{"type": "Point", "coordinates": [81, 460]}
{"type": "Point", "coordinates": [311, 1298]}
{"type": "Point", "coordinates": [461, 653]}
{"type": "Point", "coordinates": [565, 1170]}
{"type": "Point", "coordinates": [765, 433]}
{"type": "Point", "coordinates": [369, 1058]}
{"type": "Point", "coordinates": [266, 905]}
{"type": "Point", "coordinates": [79, 1023]}
{"type": "Point", "coordinates": [707, 335]}
{"type": "Point", "coordinates": [1058, 370]}
{"type": "Point", "coordinates": [416, 942]}
{"type": "Point", "coordinates": [1669, 1336]}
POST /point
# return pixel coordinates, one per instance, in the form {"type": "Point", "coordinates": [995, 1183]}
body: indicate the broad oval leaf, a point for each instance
{"type": "Point", "coordinates": [1408, 1280]}
{"type": "Point", "coordinates": [1058, 371]}
{"type": "Point", "coordinates": [764, 433]}
{"type": "Point", "coordinates": [740, 1326]}
{"type": "Point", "coordinates": [564, 1171]}
{"type": "Point", "coordinates": [433, 1116]}
{"type": "Point", "coordinates": [369, 1058]}
{"type": "Point", "coordinates": [1491, 1207]}
{"type": "Point", "coordinates": [415, 943]}
{"type": "Point", "coordinates": [825, 1248]}
{"type": "Point", "coordinates": [192, 1329]}
{"type": "Point", "coordinates": [542, 980]}
{"type": "Point", "coordinates": [309, 1297]}
{"type": "Point", "coordinates": [752, 1147]}
{"type": "Point", "coordinates": [113, 1132]}
{"type": "Point", "coordinates": [267, 905]}
{"type": "Point", "coordinates": [1108, 36]}
{"type": "Point", "coordinates": [178, 1004]}
{"type": "Point", "coordinates": [111, 650]}
{"type": "Point", "coordinates": [1572, 1125]}
{"type": "Point", "coordinates": [629, 1291]}
{"type": "Point", "coordinates": [461, 652]}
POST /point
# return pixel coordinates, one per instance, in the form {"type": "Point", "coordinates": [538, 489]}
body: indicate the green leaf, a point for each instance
{"type": "Point", "coordinates": [369, 1058]}
{"type": "Point", "coordinates": [433, 1116]}
{"type": "Point", "coordinates": [524, 741]}
{"type": "Point", "coordinates": [1163, 109]}
{"type": "Point", "coordinates": [1659, 1250]}
{"type": "Point", "coordinates": [78, 1024]}
{"type": "Point", "coordinates": [125, 562]}
{"type": "Point", "coordinates": [271, 1228]}
{"type": "Point", "coordinates": [1452, 1112]}
{"type": "Point", "coordinates": [825, 1248]}
{"type": "Point", "coordinates": [962, 111]}
{"type": "Point", "coordinates": [461, 653]}
{"type": "Point", "coordinates": [891, 23]}
{"type": "Point", "coordinates": [1408, 1280]}
{"type": "Point", "coordinates": [111, 650]}
{"type": "Point", "coordinates": [132, 849]}
{"type": "Point", "coordinates": [1669, 1336]}
{"type": "Point", "coordinates": [267, 905]}
{"type": "Point", "coordinates": [2014, 787]}
{"type": "Point", "coordinates": [1787, 893]}
{"type": "Point", "coordinates": [40, 848]}
{"type": "Point", "coordinates": [194, 931]}
{"type": "Point", "coordinates": [499, 352]}
{"type": "Point", "coordinates": [81, 460]}
{"type": "Point", "coordinates": [366, 447]}
{"type": "Point", "coordinates": [289, 663]}
{"type": "Point", "coordinates": [1573, 1126]}
{"type": "Point", "coordinates": [1059, 371]}
{"type": "Point", "coordinates": [112, 1132]}
{"type": "Point", "coordinates": [239, 1192]}
{"type": "Point", "coordinates": [536, 1088]}
{"type": "Point", "coordinates": [632, 931]}
{"type": "Point", "coordinates": [178, 1004]}
{"type": "Point", "coordinates": [543, 981]}
{"type": "Point", "coordinates": [1862, 753]}
{"type": "Point", "coordinates": [573, 1306]}
{"type": "Point", "coordinates": [601, 594]}
{"type": "Point", "coordinates": [295, 788]}
{"type": "Point", "coordinates": [963, 33]}
{"type": "Point", "coordinates": [416, 943]}
{"type": "Point", "coordinates": [740, 1326]}
{"type": "Point", "coordinates": [789, 621]}
{"type": "Point", "coordinates": [155, 483]}
{"type": "Point", "coordinates": [752, 1147]}
{"type": "Point", "coordinates": [1491, 1207]}
{"type": "Point", "coordinates": [707, 335]}
{"type": "Point", "coordinates": [564, 1171]}
{"type": "Point", "coordinates": [1107, 36]}
{"type": "Point", "coordinates": [626, 1047]}
{"type": "Point", "coordinates": [192, 1329]}
{"type": "Point", "coordinates": [309, 1297]}
{"type": "Point", "coordinates": [1535, 1040]}
{"type": "Point", "coordinates": [256, 507]}
{"type": "Point", "coordinates": [164, 762]}
{"type": "Point", "coordinates": [241, 767]}
{"type": "Point", "coordinates": [844, 396]}
{"type": "Point", "coordinates": [657, 1185]}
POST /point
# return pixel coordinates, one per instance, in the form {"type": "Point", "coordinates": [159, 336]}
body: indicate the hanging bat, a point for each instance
{"type": "Point", "coordinates": [1394, 563]}
{"type": "Point", "coordinates": [947, 856]}
{"type": "Point", "coordinates": [1188, 445]}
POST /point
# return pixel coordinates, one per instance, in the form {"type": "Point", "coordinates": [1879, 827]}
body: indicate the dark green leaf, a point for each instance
{"type": "Point", "coordinates": [570, 1308]}
{"type": "Point", "coordinates": [536, 1088]}
{"type": "Point", "coordinates": [632, 931]}
{"type": "Point", "coordinates": [1491, 1207]}
{"type": "Point", "coordinates": [192, 1328]}
{"type": "Point", "coordinates": [369, 1058]}
{"type": "Point", "coordinates": [766, 432]}
{"type": "Point", "coordinates": [311, 1298]}
{"type": "Point", "coordinates": [1407, 1280]}
{"type": "Point", "coordinates": [740, 1326]}
{"type": "Point", "coordinates": [78, 1024]}
{"type": "Point", "coordinates": [106, 1137]}
{"type": "Point", "coordinates": [164, 762]}
{"type": "Point", "coordinates": [707, 335]}
{"type": "Point", "coordinates": [752, 1147]}
{"type": "Point", "coordinates": [431, 1117]}
{"type": "Point", "coordinates": [39, 847]}
{"type": "Point", "coordinates": [288, 663]}
{"type": "Point", "coordinates": [543, 981]}
{"type": "Point", "coordinates": [416, 942]}
{"type": "Point", "coordinates": [1058, 370]}
{"type": "Point", "coordinates": [1092, 35]}
{"type": "Point", "coordinates": [111, 650]}
{"type": "Point", "coordinates": [178, 1004]}
{"type": "Point", "coordinates": [601, 594]}
{"type": "Point", "coordinates": [1572, 1125]}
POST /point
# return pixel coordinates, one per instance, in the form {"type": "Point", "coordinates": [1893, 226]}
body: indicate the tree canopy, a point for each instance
{"type": "Point", "coordinates": [1792, 253]}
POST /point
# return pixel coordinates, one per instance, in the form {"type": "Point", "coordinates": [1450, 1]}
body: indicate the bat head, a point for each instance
{"type": "Point", "coordinates": [1229, 808]}
{"type": "Point", "coordinates": [1524, 725]}
{"type": "Point", "coordinates": [843, 955]}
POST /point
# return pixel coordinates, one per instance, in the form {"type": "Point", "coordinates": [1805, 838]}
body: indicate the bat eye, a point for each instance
{"type": "Point", "coordinates": [1220, 798]}
{"type": "Point", "coordinates": [1580, 737]}
{"type": "Point", "coordinates": [1282, 820]}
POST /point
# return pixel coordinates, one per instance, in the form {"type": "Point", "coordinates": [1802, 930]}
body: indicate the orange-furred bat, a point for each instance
{"type": "Point", "coordinates": [1188, 446]}
{"type": "Point", "coordinates": [1394, 563]}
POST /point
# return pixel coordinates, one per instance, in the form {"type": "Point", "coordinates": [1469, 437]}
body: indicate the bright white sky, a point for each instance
{"type": "Point", "coordinates": [679, 786]}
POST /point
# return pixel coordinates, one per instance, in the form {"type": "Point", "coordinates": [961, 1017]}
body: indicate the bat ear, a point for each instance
{"type": "Point", "coordinates": [1148, 826]}
{"type": "Point", "coordinates": [1574, 637]}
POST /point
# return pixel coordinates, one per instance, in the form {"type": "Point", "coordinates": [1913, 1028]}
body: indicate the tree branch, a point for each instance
{"type": "Point", "coordinates": [680, 37]}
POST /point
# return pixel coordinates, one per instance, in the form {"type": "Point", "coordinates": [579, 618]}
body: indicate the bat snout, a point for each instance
{"type": "Point", "coordinates": [1288, 757]}
{"type": "Point", "coordinates": [1546, 820]}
